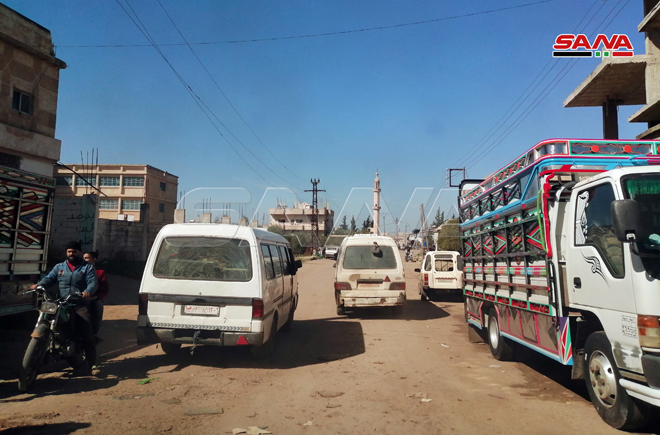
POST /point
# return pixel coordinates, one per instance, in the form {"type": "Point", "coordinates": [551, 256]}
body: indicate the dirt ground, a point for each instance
{"type": "Point", "coordinates": [367, 372]}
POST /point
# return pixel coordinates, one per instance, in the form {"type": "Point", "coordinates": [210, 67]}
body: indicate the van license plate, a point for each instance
{"type": "Point", "coordinates": [201, 309]}
{"type": "Point", "coordinates": [369, 284]}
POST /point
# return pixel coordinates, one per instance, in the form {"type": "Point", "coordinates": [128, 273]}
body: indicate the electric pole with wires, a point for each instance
{"type": "Point", "coordinates": [315, 215]}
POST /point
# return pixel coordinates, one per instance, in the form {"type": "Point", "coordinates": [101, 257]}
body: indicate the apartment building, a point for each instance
{"type": "Point", "coordinates": [300, 218]}
{"type": "Point", "coordinates": [122, 189]}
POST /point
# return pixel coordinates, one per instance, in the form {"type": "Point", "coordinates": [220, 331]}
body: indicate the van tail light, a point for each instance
{"type": "Point", "coordinates": [649, 331]}
{"type": "Point", "coordinates": [343, 286]}
{"type": "Point", "coordinates": [398, 286]}
{"type": "Point", "coordinates": [143, 304]}
{"type": "Point", "coordinates": [426, 279]}
{"type": "Point", "coordinates": [257, 309]}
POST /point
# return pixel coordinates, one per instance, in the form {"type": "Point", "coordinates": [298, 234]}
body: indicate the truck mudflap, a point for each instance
{"type": "Point", "coordinates": [379, 298]}
{"type": "Point", "coordinates": [651, 368]}
{"type": "Point", "coordinates": [641, 392]}
{"type": "Point", "coordinates": [147, 335]}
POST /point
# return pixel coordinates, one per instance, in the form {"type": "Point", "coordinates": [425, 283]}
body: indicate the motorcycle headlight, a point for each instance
{"type": "Point", "coordinates": [48, 307]}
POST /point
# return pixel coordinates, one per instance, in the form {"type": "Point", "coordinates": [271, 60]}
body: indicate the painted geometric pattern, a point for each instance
{"type": "Point", "coordinates": [504, 270]}
{"type": "Point", "coordinates": [7, 213]}
{"type": "Point", "coordinates": [565, 344]}
{"type": "Point", "coordinates": [27, 177]}
{"type": "Point", "coordinates": [533, 234]}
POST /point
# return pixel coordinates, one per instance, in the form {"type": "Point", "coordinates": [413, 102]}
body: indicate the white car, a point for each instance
{"type": "Point", "coordinates": [441, 271]}
{"type": "Point", "coordinates": [331, 252]}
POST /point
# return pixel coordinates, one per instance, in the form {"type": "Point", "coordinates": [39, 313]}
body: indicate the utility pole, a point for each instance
{"type": "Point", "coordinates": [315, 214]}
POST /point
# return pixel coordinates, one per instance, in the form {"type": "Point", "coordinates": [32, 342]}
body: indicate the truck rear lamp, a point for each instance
{"type": "Point", "coordinates": [257, 309]}
{"type": "Point", "coordinates": [143, 304]}
{"type": "Point", "coordinates": [648, 328]}
{"type": "Point", "coordinates": [398, 286]}
{"type": "Point", "coordinates": [426, 279]}
{"type": "Point", "coordinates": [343, 286]}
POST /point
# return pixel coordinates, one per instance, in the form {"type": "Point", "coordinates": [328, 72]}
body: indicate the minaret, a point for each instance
{"type": "Point", "coordinates": [375, 229]}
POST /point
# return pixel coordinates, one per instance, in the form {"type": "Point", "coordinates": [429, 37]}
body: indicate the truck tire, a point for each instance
{"type": "Point", "coordinates": [610, 399]}
{"type": "Point", "coordinates": [341, 310]}
{"type": "Point", "coordinates": [501, 348]}
{"type": "Point", "coordinates": [170, 348]}
{"type": "Point", "coordinates": [34, 356]}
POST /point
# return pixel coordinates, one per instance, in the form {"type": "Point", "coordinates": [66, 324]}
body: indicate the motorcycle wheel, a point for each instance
{"type": "Point", "coordinates": [34, 356]}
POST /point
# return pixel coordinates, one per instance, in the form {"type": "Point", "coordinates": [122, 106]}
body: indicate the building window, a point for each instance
{"type": "Point", "coordinates": [22, 102]}
{"type": "Point", "coordinates": [163, 186]}
{"type": "Point", "coordinates": [133, 181]}
{"type": "Point", "coordinates": [109, 181]}
{"type": "Point", "coordinates": [10, 161]}
{"type": "Point", "coordinates": [131, 204]}
{"type": "Point", "coordinates": [63, 181]}
{"type": "Point", "coordinates": [82, 181]}
{"type": "Point", "coordinates": [108, 204]}
{"type": "Point", "coordinates": [161, 207]}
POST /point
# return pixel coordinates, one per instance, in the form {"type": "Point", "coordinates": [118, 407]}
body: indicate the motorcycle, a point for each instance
{"type": "Point", "coordinates": [409, 256]}
{"type": "Point", "coordinates": [54, 338]}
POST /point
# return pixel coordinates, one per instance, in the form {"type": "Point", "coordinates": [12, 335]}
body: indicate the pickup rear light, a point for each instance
{"type": "Point", "coordinates": [426, 279]}
{"type": "Point", "coordinates": [343, 286]}
{"type": "Point", "coordinates": [143, 304]}
{"type": "Point", "coordinates": [398, 286]}
{"type": "Point", "coordinates": [649, 331]}
{"type": "Point", "coordinates": [257, 309]}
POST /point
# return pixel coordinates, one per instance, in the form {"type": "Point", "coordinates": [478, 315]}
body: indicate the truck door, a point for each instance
{"type": "Point", "coordinates": [595, 267]}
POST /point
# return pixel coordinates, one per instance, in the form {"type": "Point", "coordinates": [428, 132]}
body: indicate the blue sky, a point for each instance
{"type": "Point", "coordinates": [406, 101]}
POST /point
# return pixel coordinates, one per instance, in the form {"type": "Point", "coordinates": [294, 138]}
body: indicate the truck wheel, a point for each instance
{"type": "Point", "coordinates": [266, 349]}
{"type": "Point", "coordinates": [170, 348]}
{"type": "Point", "coordinates": [501, 348]}
{"type": "Point", "coordinates": [340, 310]}
{"type": "Point", "coordinates": [289, 323]}
{"type": "Point", "coordinates": [34, 356]}
{"type": "Point", "coordinates": [610, 399]}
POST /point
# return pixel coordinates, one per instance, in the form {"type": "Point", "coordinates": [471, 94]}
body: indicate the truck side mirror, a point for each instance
{"type": "Point", "coordinates": [298, 264]}
{"type": "Point", "coordinates": [418, 270]}
{"type": "Point", "coordinates": [627, 220]}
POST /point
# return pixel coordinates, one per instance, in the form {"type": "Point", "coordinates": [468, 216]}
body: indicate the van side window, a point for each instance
{"type": "Point", "coordinates": [268, 262]}
{"type": "Point", "coordinates": [594, 226]}
{"type": "Point", "coordinates": [286, 263]}
{"type": "Point", "coordinates": [277, 260]}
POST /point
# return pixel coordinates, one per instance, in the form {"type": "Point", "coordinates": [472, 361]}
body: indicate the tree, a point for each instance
{"type": "Point", "coordinates": [367, 224]}
{"type": "Point", "coordinates": [439, 218]}
{"type": "Point", "coordinates": [353, 225]}
{"type": "Point", "coordinates": [449, 236]}
{"type": "Point", "coordinates": [344, 225]}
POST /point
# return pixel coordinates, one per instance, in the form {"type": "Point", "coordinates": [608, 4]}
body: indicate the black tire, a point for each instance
{"type": "Point", "coordinates": [341, 310]}
{"type": "Point", "coordinates": [501, 348]}
{"type": "Point", "coordinates": [266, 349]}
{"type": "Point", "coordinates": [610, 399]}
{"type": "Point", "coordinates": [170, 348]}
{"type": "Point", "coordinates": [34, 356]}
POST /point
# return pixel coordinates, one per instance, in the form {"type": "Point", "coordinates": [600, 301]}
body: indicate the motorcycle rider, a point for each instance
{"type": "Point", "coordinates": [75, 276]}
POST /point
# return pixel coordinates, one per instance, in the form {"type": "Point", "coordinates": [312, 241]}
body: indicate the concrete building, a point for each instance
{"type": "Point", "coordinates": [126, 188]}
{"type": "Point", "coordinates": [300, 218]}
{"type": "Point", "coordinates": [29, 81]}
{"type": "Point", "coordinates": [627, 81]}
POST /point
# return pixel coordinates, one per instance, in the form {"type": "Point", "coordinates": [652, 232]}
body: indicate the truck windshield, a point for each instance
{"type": "Point", "coordinates": [204, 258]}
{"type": "Point", "coordinates": [645, 189]}
{"type": "Point", "coordinates": [364, 257]}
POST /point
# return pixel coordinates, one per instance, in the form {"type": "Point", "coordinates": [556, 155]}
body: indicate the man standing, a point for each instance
{"type": "Point", "coordinates": [75, 276]}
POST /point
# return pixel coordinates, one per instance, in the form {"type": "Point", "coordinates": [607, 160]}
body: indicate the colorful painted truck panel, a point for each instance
{"type": "Point", "coordinates": [26, 202]}
{"type": "Point", "coordinates": [561, 254]}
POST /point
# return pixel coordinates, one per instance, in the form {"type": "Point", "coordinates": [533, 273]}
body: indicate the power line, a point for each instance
{"type": "Point", "coordinates": [316, 35]}
{"type": "Point", "coordinates": [227, 98]}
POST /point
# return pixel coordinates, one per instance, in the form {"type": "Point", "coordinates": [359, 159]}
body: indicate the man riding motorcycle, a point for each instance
{"type": "Point", "coordinates": [78, 277]}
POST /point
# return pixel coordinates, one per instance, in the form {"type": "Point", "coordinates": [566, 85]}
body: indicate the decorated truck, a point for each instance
{"type": "Point", "coordinates": [561, 255]}
{"type": "Point", "coordinates": [26, 203]}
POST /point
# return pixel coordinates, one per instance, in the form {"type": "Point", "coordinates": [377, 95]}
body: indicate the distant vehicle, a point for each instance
{"type": "Point", "coordinates": [369, 273]}
{"type": "Point", "coordinates": [331, 252]}
{"type": "Point", "coordinates": [441, 271]}
{"type": "Point", "coordinates": [217, 284]}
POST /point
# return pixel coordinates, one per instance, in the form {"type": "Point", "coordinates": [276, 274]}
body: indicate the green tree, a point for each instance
{"type": "Point", "coordinates": [353, 225]}
{"type": "Point", "coordinates": [439, 218]}
{"type": "Point", "coordinates": [344, 225]}
{"type": "Point", "coordinates": [367, 224]}
{"type": "Point", "coordinates": [449, 236]}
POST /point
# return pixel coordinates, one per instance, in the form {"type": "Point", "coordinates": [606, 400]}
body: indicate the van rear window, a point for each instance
{"type": "Point", "coordinates": [363, 257]}
{"type": "Point", "coordinates": [204, 258]}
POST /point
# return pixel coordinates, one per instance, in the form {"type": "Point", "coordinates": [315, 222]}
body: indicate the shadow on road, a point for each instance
{"type": "Point", "coordinates": [412, 310]}
{"type": "Point", "coordinates": [46, 429]}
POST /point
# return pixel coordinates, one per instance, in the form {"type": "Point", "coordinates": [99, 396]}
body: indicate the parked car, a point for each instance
{"type": "Point", "coordinates": [331, 252]}
{"type": "Point", "coordinates": [216, 284]}
{"type": "Point", "coordinates": [441, 271]}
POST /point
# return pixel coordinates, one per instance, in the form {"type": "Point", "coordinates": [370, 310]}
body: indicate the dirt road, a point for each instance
{"type": "Point", "coordinates": [365, 373]}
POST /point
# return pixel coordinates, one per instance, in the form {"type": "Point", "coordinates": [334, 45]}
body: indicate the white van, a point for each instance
{"type": "Point", "coordinates": [441, 271]}
{"type": "Point", "coordinates": [369, 273]}
{"type": "Point", "coordinates": [224, 285]}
